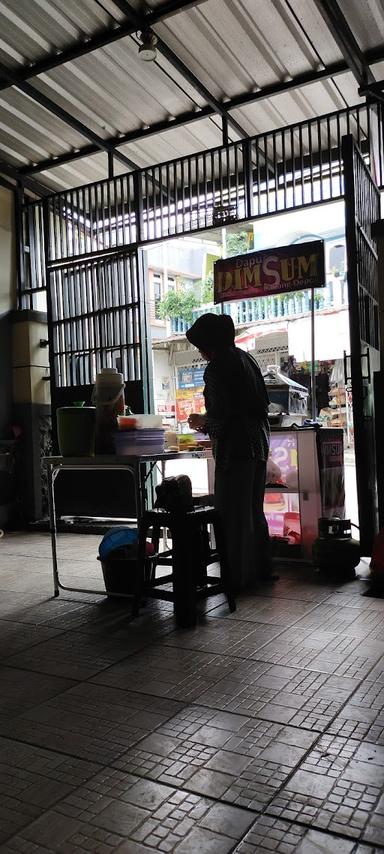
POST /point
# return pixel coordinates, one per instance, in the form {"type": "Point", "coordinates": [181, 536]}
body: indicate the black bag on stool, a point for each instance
{"type": "Point", "coordinates": [174, 494]}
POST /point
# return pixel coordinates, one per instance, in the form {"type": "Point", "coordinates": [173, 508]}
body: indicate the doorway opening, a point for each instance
{"type": "Point", "coordinates": [275, 330]}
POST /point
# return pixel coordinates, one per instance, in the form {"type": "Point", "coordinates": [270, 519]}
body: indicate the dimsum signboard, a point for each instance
{"type": "Point", "coordinates": [270, 271]}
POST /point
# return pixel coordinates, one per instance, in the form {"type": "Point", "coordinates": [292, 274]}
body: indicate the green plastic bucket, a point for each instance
{"type": "Point", "coordinates": [76, 430]}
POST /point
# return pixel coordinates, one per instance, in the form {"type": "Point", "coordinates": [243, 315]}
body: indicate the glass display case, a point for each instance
{"type": "Point", "coordinates": [305, 480]}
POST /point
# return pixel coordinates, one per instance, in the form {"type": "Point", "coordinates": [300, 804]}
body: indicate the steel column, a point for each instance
{"type": "Point", "coordinates": [20, 245]}
{"type": "Point", "coordinates": [362, 208]}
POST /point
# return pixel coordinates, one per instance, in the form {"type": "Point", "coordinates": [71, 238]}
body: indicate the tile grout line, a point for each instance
{"type": "Point", "coordinates": [195, 702]}
{"type": "Point", "coordinates": [4, 662]}
{"type": "Point", "coordinates": [270, 640]}
{"type": "Point", "coordinates": [314, 745]}
{"type": "Point", "coordinates": [264, 811]}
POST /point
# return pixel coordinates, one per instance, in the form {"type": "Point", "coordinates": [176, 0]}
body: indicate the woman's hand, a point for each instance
{"type": "Point", "coordinates": [197, 422]}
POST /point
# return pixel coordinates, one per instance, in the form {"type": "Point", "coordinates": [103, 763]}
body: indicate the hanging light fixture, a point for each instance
{"type": "Point", "coordinates": [147, 49]}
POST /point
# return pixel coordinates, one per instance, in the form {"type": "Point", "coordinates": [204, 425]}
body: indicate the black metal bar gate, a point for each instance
{"type": "Point", "coordinates": [86, 249]}
{"type": "Point", "coordinates": [362, 209]}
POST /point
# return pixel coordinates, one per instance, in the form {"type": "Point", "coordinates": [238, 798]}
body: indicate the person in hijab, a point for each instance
{"type": "Point", "coordinates": [236, 403]}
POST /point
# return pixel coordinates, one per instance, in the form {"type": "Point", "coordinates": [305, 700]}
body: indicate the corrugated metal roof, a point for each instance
{"type": "Point", "coordinates": [232, 46]}
{"type": "Point", "coordinates": [292, 107]}
{"type": "Point", "coordinates": [235, 45]}
{"type": "Point", "coordinates": [366, 21]}
{"type": "Point", "coordinates": [32, 28]}
{"type": "Point", "coordinates": [156, 149]}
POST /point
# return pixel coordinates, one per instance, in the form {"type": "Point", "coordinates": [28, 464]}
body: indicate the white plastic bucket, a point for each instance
{"type": "Point", "coordinates": [109, 387]}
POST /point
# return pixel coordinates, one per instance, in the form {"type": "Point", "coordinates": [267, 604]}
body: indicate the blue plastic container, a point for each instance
{"type": "Point", "coordinates": [117, 538]}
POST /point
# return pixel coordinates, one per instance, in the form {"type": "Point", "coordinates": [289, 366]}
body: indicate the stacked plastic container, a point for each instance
{"type": "Point", "coordinates": [139, 435]}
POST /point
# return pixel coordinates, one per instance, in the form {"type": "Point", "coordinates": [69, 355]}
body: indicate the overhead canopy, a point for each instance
{"type": "Point", "coordinates": [73, 87]}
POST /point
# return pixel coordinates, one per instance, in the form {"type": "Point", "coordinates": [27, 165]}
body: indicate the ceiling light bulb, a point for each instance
{"type": "Point", "coordinates": [147, 49]}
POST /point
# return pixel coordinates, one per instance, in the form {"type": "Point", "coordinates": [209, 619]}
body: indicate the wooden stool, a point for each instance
{"type": "Point", "coordinates": [190, 557]}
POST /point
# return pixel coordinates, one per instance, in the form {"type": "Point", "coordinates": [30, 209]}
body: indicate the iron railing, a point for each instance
{"type": "Point", "coordinates": [285, 307]}
{"type": "Point", "coordinates": [281, 170]}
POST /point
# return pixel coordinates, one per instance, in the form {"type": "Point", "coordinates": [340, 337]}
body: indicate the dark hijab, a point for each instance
{"type": "Point", "coordinates": [212, 332]}
{"type": "Point", "coordinates": [242, 376]}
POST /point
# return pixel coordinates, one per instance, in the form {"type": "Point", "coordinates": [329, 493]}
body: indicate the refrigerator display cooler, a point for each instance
{"type": "Point", "coordinates": [305, 481]}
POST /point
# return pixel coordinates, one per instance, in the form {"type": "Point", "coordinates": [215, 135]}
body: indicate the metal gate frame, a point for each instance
{"type": "Point", "coordinates": [97, 317]}
{"type": "Point", "coordinates": [232, 185]}
{"type": "Point", "coordinates": [362, 210]}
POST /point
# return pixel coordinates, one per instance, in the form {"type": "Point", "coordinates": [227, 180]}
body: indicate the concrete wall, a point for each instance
{"type": "Point", "coordinates": [24, 395]}
{"type": "Point", "coordinates": [31, 406]}
{"type": "Point", "coordinates": [29, 359]}
{"type": "Point", "coordinates": [179, 257]}
{"type": "Point", "coordinates": [8, 300]}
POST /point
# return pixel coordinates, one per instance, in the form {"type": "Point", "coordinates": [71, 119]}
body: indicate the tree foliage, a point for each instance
{"type": "Point", "coordinates": [207, 290]}
{"type": "Point", "coordinates": [237, 243]}
{"type": "Point", "coordinates": [179, 303]}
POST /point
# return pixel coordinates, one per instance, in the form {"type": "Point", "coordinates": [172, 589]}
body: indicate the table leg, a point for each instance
{"type": "Point", "coordinates": [184, 587]}
{"type": "Point", "coordinates": [52, 473]}
{"type": "Point", "coordinates": [140, 490]}
{"type": "Point", "coordinates": [211, 475]}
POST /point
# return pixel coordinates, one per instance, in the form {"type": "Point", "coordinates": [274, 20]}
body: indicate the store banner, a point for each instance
{"type": "Point", "coordinates": [270, 271]}
{"type": "Point", "coordinates": [188, 401]}
{"type": "Point", "coordinates": [191, 377]}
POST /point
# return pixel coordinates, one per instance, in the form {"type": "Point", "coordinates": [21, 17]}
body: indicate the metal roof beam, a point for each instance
{"type": "Point", "coordinates": [30, 183]}
{"type": "Point", "coordinates": [158, 127]}
{"type": "Point", "coordinates": [71, 121]}
{"type": "Point", "coordinates": [373, 89]}
{"type": "Point", "coordinates": [344, 38]}
{"type": "Point", "coordinates": [4, 183]}
{"type": "Point", "coordinates": [102, 39]}
{"type": "Point", "coordinates": [141, 23]}
{"type": "Point", "coordinates": [190, 116]}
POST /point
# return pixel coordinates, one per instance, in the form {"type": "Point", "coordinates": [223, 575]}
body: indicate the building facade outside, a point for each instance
{"type": "Point", "coordinates": [272, 328]}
